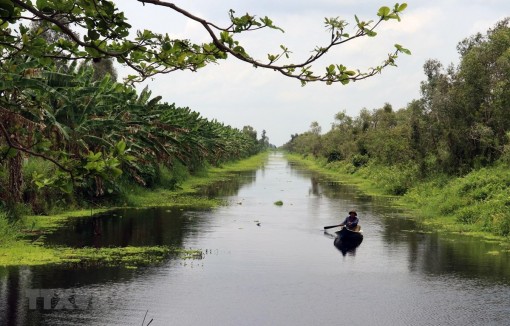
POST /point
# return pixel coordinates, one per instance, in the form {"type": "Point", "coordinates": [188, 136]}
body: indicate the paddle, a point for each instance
{"type": "Point", "coordinates": [332, 226]}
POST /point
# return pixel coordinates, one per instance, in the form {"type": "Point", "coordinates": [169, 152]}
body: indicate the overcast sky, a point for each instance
{"type": "Point", "coordinates": [237, 94]}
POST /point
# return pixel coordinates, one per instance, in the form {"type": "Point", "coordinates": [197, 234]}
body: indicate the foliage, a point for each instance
{"type": "Point", "coordinates": [7, 230]}
{"type": "Point", "coordinates": [481, 199]}
{"type": "Point", "coordinates": [94, 131]}
{"type": "Point", "coordinates": [446, 152]}
{"type": "Point", "coordinates": [109, 35]}
{"type": "Point", "coordinates": [461, 122]}
{"type": "Point", "coordinates": [37, 190]}
{"type": "Point", "coordinates": [14, 250]}
{"type": "Point", "coordinates": [359, 160]}
{"type": "Point", "coordinates": [393, 180]}
{"type": "Point", "coordinates": [60, 102]}
{"type": "Point", "coordinates": [466, 107]}
{"type": "Point", "coordinates": [171, 178]}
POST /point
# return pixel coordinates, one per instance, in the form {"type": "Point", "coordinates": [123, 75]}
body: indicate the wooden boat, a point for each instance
{"type": "Point", "coordinates": [350, 235]}
{"type": "Point", "coordinates": [348, 239]}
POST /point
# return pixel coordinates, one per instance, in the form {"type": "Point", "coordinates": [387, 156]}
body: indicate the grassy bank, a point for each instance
{"type": "Point", "coordinates": [186, 193]}
{"type": "Point", "coordinates": [22, 242]}
{"type": "Point", "coordinates": [477, 204]}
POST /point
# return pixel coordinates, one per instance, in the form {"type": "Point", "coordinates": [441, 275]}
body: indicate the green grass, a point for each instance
{"type": "Point", "coordinates": [22, 252]}
{"type": "Point", "coordinates": [477, 204]}
{"type": "Point", "coordinates": [186, 193]}
{"type": "Point", "coordinates": [342, 172]}
{"type": "Point", "coordinates": [45, 224]}
{"type": "Point", "coordinates": [170, 198]}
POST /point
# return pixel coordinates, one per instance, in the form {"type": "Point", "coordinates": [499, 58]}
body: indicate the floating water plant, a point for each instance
{"type": "Point", "coordinates": [125, 256]}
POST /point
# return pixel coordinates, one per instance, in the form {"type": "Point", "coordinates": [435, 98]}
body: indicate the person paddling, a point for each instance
{"type": "Point", "coordinates": [351, 221]}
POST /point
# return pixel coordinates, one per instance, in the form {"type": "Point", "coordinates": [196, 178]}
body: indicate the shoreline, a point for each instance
{"type": "Point", "coordinates": [437, 222]}
{"type": "Point", "coordinates": [29, 248]}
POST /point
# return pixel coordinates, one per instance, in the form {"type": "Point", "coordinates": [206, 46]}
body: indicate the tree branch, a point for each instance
{"type": "Point", "coordinates": [153, 53]}
{"type": "Point", "coordinates": [11, 144]}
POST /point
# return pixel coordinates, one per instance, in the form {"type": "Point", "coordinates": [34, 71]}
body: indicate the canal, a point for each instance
{"type": "Point", "coordinates": [267, 264]}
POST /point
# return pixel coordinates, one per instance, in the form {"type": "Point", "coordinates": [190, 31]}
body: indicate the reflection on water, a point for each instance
{"type": "Point", "coordinates": [229, 187]}
{"type": "Point", "coordinates": [345, 248]}
{"type": "Point", "coordinates": [129, 227]}
{"type": "Point", "coordinates": [271, 265]}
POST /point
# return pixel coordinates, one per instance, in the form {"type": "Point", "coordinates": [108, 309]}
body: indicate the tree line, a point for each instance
{"type": "Point", "coordinates": [67, 131]}
{"type": "Point", "coordinates": [461, 121]}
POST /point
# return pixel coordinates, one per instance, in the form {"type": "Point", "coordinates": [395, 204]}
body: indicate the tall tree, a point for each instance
{"type": "Point", "coordinates": [467, 105]}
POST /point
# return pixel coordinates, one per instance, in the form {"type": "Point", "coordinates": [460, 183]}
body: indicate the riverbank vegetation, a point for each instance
{"type": "Point", "coordinates": [71, 141]}
{"type": "Point", "coordinates": [445, 155]}
{"type": "Point", "coordinates": [85, 142]}
{"type": "Point", "coordinates": [72, 137]}
{"type": "Point", "coordinates": [22, 241]}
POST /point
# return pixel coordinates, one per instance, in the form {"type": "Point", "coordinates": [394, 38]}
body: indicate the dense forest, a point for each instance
{"type": "Point", "coordinates": [460, 125]}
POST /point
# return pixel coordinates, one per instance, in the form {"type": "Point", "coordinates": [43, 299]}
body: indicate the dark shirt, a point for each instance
{"type": "Point", "coordinates": [351, 222]}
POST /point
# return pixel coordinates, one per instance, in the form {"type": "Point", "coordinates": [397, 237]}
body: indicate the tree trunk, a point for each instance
{"type": "Point", "coordinates": [15, 178]}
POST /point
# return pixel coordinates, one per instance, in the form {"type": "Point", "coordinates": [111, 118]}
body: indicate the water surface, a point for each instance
{"type": "Point", "coordinates": [265, 264]}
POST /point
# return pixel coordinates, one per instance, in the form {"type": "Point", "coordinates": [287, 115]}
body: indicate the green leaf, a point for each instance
{"type": "Point", "coordinates": [39, 184]}
{"type": "Point", "coordinates": [166, 46]}
{"type": "Point", "coordinates": [93, 35]}
{"type": "Point", "coordinates": [66, 187]}
{"type": "Point", "coordinates": [121, 147]}
{"type": "Point", "coordinates": [6, 9]}
{"type": "Point", "coordinates": [393, 16]}
{"type": "Point", "coordinates": [94, 157]}
{"type": "Point", "coordinates": [383, 11]}
{"type": "Point", "coordinates": [41, 4]}
{"type": "Point", "coordinates": [402, 49]}
{"type": "Point", "coordinates": [370, 32]}
{"type": "Point", "coordinates": [116, 172]}
{"type": "Point", "coordinates": [402, 7]}
{"type": "Point", "coordinates": [129, 158]}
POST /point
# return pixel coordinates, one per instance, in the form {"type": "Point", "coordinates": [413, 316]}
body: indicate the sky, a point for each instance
{"type": "Point", "coordinates": [238, 94]}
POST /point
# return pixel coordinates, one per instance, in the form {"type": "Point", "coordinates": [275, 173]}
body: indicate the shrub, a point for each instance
{"type": "Point", "coordinates": [393, 180]}
{"type": "Point", "coordinates": [42, 200]}
{"type": "Point", "coordinates": [467, 215]}
{"type": "Point", "coordinates": [171, 177]}
{"type": "Point", "coordinates": [335, 156]}
{"type": "Point", "coordinates": [8, 230]}
{"type": "Point", "coordinates": [500, 224]}
{"type": "Point", "coordinates": [359, 160]}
